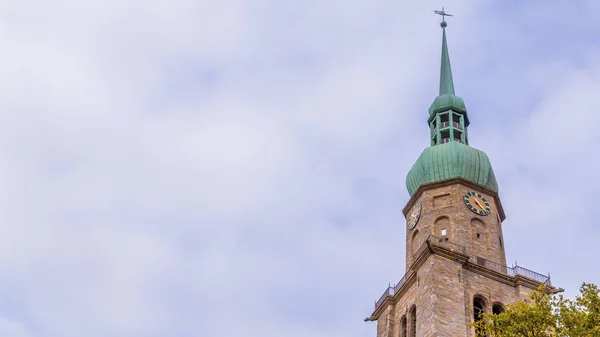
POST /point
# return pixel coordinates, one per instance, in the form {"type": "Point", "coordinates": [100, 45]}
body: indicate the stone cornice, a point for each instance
{"type": "Point", "coordinates": [454, 181]}
{"type": "Point", "coordinates": [428, 249]}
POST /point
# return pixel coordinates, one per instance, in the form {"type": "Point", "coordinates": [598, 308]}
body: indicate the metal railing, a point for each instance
{"type": "Point", "coordinates": [518, 270]}
{"type": "Point", "coordinates": [510, 271]}
{"type": "Point", "coordinates": [445, 243]}
{"type": "Point", "coordinates": [391, 290]}
{"type": "Point", "coordinates": [477, 260]}
{"type": "Point", "coordinates": [388, 292]}
{"type": "Point", "coordinates": [488, 264]}
{"type": "Point", "coordinates": [456, 125]}
{"type": "Point", "coordinates": [400, 284]}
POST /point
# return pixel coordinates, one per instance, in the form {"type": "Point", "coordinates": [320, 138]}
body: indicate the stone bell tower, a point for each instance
{"type": "Point", "coordinates": [455, 259]}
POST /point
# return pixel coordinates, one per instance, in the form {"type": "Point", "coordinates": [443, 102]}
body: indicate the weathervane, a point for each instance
{"type": "Point", "coordinates": [444, 15]}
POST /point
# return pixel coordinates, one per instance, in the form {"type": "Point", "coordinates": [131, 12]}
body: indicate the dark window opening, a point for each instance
{"type": "Point", "coordinates": [403, 327]}
{"type": "Point", "coordinates": [497, 308]}
{"type": "Point", "coordinates": [445, 136]}
{"type": "Point", "coordinates": [478, 311]}
{"type": "Point", "coordinates": [456, 118]}
{"type": "Point", "coordinates": [478, 235]}
{"type": "Point", "coordinates": [444, 121]}
{"type": "Point", "coordinates": [457, 135]}
{"type": "Point", "coordinates": [413, 317]}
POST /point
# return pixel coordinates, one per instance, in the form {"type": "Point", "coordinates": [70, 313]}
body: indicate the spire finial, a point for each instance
{"type": "Point", "coordinates": [444, 15]}
{"type": "Point", "coordinates": [446, 83]}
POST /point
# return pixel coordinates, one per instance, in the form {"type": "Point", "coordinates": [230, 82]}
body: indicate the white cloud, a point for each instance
{"type": "Point", "coordinates": [196, 169]}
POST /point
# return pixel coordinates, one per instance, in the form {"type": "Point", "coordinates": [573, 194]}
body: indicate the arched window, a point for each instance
{"type": "Point", "coordinates": [416, 242]}
{"type": "Point", "coordinates": [441, 227]}
{"type": "Point", "coordinates": [413, 321]}
{"type": "Point", "coordinates": [497, 308]}
{"type": "Point", "coordinates": [478, 310]}
{"type": "Point", "coordinates": [403, 327]}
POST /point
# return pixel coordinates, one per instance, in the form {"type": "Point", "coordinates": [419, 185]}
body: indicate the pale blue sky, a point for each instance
{"type": "Point", "coordinates": [236, 167]}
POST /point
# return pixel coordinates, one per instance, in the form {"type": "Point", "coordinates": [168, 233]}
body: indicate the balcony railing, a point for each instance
{"type": "Point", "coordinates": [488, 264]}
{"type": "Point", "coordinates": [447, 140]}
{"type": "Point", "coordinates": [400, 284]}
{"type": "Point", "coordinates": [391, 290]}
{"type": "Point", "coordinates": [456, 125]}
{"type": "Point", "coordinates": [443, 242]}
{"type": "Point", "coordinates": [388, 292]}
{"type": "Point", "coordinates": [446, 243]}
{"type": "Point", "coordinates": [518, 270]}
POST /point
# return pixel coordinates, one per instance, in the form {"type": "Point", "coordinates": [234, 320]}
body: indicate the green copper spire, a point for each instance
{"type": "Point", "coordinates": [446, 83]}
{"type": "Point", "coordinates": [449, 155]}
{"type": "Point", "coordinates": [448, 119]}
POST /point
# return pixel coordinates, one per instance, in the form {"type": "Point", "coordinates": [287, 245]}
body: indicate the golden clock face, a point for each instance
{"type": "Point", "coordinates": [413, 216]}
{"type": "Point", "coordinates": [477, 203]}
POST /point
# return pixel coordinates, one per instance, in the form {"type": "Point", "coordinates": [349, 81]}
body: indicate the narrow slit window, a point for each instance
{"type": "Point", "coordinates": [413, 318]}
{"type": "Point", "coordinates": [403, 328]}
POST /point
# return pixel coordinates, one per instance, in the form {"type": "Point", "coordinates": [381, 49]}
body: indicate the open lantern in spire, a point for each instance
{"type": "Point", "coordinates": [449, 155]}
{"type": "Point", "coordinates": [448, 120]}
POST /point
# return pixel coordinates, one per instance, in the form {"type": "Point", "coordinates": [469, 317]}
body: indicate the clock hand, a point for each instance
{"type": "Point", "coordinates": [478, 203]}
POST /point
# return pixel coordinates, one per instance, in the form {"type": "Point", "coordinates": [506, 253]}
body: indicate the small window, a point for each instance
{"type": "Point", "coordinates": [500, 240]}
{"type": "Point", "coordinates": [497, 308]}
{"type": "Point", "coordinates": [443, 231]}
{"type": "Point", "coordinates": [478, 235]}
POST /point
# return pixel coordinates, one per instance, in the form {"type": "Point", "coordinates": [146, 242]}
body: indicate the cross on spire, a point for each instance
{"type": "Point", "coordinates": [443, 14]}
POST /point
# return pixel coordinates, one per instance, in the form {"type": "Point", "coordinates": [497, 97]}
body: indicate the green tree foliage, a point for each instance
{"type": "Point", "coordinates": [546, 315]}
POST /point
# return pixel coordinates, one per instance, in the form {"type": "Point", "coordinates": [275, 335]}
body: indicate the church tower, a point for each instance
{"type": "Point", "coordinates": [455, 259]}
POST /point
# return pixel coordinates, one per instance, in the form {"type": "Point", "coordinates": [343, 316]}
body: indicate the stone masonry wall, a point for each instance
{"type": "Point", "coordinates": [444, 207]}
{"type": "Point", "coordinates": [444, 290]}
{"type": "Point", "coordinates": [444, 296]}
